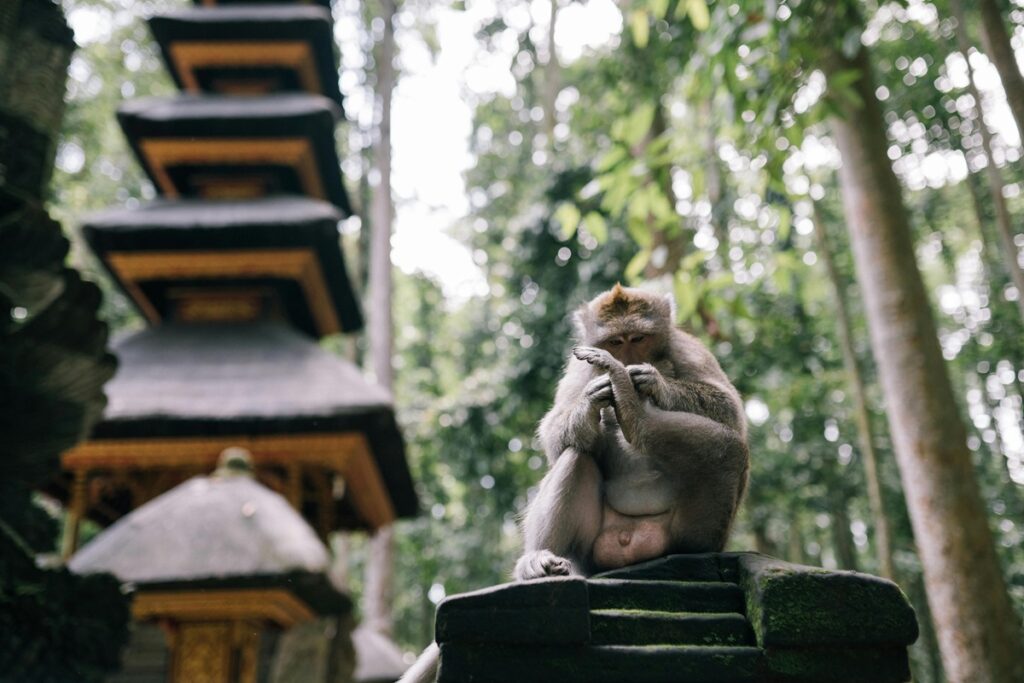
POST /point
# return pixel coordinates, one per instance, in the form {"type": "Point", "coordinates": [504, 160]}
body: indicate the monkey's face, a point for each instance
{"type": "Point", "coordinates": [631, 347]}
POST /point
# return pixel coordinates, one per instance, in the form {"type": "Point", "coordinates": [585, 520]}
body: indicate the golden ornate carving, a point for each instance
{"type": "Point", "coordinates": [275, 605]}
{"type": "Point", "coordinates": [163, 153]}
{"type": "Point", "coordinates": [188, 56]}
{"type": "Point", "coordinates": [300, 265]}
{"type": "Point", "coordinates": [345, 454]}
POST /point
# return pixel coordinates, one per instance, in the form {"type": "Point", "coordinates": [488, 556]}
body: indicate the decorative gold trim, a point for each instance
{"type": "Point", "coordinates": [162, 153]}
{"type": "Point", "coordinates": [189, 55]}
{"type": "Point", "coordinates": [300, 265]}
{"type": "Point", "coordinates": [346, 454]}
{"type": "Point", "coordinates": [271, 604]}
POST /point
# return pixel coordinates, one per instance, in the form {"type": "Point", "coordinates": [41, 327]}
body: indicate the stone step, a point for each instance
{"type": "Point", "coordinates": [698, 567]}
{"type": "Point", "coordinates": [600, 664]}
{"type": "Point", "coordinates": [666, 596]}
{"type": "Point", "coordinates": [638, 627]}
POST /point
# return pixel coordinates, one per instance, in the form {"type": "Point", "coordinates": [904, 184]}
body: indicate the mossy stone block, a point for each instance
{"type": "Point", "coordinates": [802, 607]}
{"type": "Point", "coordinates": [463, 663]}
{"type": "Point", "coordinates": [837, 665]}
{"type": "Point", "coordinates": [545, 611]}
{"type": "Point", "coordinates": [696, 567]}
{"type": "Point", "coordinates": [669, 596]}
{"type": "Point", "coordinates": [639, 627]}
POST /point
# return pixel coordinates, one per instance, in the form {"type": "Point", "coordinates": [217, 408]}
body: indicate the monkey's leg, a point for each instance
{"type": "Point", "coordinates": [562, 520]}
{"type": "Point", "coordinates": [707, 463]}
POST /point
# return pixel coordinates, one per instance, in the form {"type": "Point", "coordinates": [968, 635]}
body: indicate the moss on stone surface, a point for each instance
{"type": "Point", "coordinates": [792, 605]}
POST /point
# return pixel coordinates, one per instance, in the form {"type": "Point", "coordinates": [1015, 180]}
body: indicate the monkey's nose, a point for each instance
{"type": "Point", "coordinates": [624, 538]}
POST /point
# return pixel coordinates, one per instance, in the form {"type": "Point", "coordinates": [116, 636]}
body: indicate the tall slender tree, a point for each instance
{"type": "Point", "coordinates": [379, 589]}
{"type": "Point", "coordinates": [855, 383]}
{"type": "Point", "coordinates": [996, 42]}
{"type": "Point", "coordinates": [1004, 227]}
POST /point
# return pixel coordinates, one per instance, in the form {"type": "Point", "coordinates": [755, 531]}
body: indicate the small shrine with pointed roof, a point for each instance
{"type": "Point", "coordinates": [237, 268]}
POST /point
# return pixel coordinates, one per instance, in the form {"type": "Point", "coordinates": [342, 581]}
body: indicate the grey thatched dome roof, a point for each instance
{"type": "Point", "coordinates": [209, 528]}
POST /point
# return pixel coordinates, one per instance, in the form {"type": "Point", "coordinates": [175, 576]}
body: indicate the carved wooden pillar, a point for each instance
{"type": "Point", "coordinates": [75, 511]}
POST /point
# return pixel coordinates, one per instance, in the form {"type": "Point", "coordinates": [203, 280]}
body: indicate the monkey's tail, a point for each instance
{"type": "Point", "coordinates": [424, 670]}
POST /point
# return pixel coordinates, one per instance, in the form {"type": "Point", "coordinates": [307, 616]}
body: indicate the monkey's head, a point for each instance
{"type": "Point", "coordinates": [631, 324]}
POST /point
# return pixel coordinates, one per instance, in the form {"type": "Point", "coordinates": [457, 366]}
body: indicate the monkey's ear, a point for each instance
{"type": "Point", "coordinates": [670, 304]}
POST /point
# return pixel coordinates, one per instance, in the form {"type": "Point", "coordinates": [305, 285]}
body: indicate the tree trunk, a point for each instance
{"type": "Point", "coordinates": [842, 537]}
{"type": "Point", "coordinates": [996, 42]}
{"type": "Point", "coordinates": [1004, 227]}
{"type": "Point", "coordinates": [379, 590]}
{"type": "Point", "coordinates": [978, 632]}
{"type": "Point", "coordinates": [855, 385]}
{"type": "Point", "coordinates": [552, 79]}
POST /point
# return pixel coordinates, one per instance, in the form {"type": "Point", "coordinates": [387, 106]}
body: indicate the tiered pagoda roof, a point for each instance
{"type": "Point", "coordinates": [238, 269]}
{"type": "Point", "coordinates": [250, 49]}
{"type": "Point", "coordinates": [269, 252]}
{"type": "Point", "coordinates": [226, 147]}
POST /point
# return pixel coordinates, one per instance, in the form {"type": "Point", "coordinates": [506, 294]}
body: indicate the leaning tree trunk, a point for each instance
{"type": "Point", "coordinates": [978, 632]}
{"type": "Point", "coordinates": [855, 383]}
{"type": "Point", "coordinates": [1011, 258]}
{"type": "Point", "coordinates": [379, 592]}
{"type": "Point", "coordinates": [996, 42]}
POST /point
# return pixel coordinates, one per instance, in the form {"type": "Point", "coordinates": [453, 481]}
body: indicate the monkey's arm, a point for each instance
{"type": "Point", "coordinates": [710, 396]}
{"type": "Point", "coordinates": [575, 419]}
{"type": "Point", "coordinates": [626, 401]}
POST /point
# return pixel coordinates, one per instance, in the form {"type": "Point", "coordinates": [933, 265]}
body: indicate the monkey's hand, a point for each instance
{"type": "Point", "coordinates": [599, 358]}
{"type": "Point", "coordinates": [649, 383]}
{"type": "Point", "coordinates": [598, 393]}
{"type": "Point", "coordinates": [537, 564]}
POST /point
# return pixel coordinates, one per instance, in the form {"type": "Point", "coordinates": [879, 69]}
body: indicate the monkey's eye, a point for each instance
{"type": "Point", "coordinates": [615, 342]}
{"type": "Point", "coordinates": [636, 339]}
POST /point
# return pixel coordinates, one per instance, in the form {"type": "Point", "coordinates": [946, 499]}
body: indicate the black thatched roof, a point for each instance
{"type": "Point", "coordinates": [226, 530]}
{"type": "Point", "coordinates": [205, 117]}
{"type": "Point", "coordinates": [253, 23]}
{"type": "Point", "coordinates": [204, 225]}
{"type": "Point", "coordinates": [255, 379]}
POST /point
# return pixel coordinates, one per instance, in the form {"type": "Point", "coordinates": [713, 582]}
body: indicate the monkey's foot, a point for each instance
{"type": "Point", "coordinates": [537, 564]}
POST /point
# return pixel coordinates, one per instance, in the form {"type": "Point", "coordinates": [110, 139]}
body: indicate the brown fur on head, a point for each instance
{"type": "Point", "coordinates": [622, 312]}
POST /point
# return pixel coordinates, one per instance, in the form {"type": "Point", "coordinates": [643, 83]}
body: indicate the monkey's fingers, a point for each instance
{"type": "Point", "coordinates": [594, 356]}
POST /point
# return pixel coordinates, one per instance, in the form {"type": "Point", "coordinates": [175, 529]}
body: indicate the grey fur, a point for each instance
{"type": "Point", "coordinates": [663, 436]}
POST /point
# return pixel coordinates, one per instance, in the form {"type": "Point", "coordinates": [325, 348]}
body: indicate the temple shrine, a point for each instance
{"type": "Point", "coordinates": [237, 268]}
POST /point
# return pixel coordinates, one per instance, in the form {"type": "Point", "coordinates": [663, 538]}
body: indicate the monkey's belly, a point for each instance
{"type": "Point", "coordinates": [625, 540]}
{"type": "Point", "coordinates": [641, 493]}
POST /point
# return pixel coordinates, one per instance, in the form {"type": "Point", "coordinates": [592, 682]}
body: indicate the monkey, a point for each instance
{"type": "Point", "coordinates": [646, 445]}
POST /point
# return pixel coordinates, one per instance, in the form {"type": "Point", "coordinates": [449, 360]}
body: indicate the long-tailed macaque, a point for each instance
{"type": "Point", "coordinates": [646, 444]}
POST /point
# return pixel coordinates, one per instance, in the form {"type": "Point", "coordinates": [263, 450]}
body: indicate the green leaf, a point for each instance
{"type": "Point", "coordinates": [687, 293]}
{"type": "Point", "coordinates": [568, 216]}
{"type": "Point", "coordinates": [659, 8]}
{"type": "Point", "coordinates": [640, 27]}
{"type": "Point", "coordinates": [637, 264]}
{"type": "Point", "coordinates": [699, 16]}
{"type": "Point", "coordinates": [596, 226]}
{"type": "Point", "coordinates": [638, 124]}
{"type": "Point", "coordinates": [612, 158]}
{"type": "Point", "coordinates": [638, 230]}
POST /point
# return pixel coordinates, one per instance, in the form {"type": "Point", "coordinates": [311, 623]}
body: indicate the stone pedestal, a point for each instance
{"type": "Point", "coordinates": [715, 618]}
